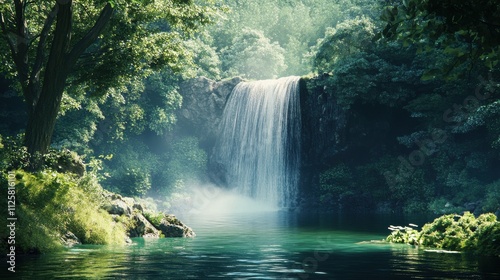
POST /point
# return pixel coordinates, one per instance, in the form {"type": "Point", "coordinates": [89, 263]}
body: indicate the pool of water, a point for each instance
{"type": "Point", "coordinates": [264, 245]}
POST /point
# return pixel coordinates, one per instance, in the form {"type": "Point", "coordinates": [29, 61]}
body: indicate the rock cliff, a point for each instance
{"type": "Point", "coordinates": [203, 103]}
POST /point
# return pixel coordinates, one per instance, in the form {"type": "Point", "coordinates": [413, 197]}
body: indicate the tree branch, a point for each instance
{"type": "Point", "coordinates": [91, 35]}
{"type": "Point", "coordinates": [20, 45]}
{"type": "Point", "coordinates": [33, 85]}
{"type": "Point", "coordinates": [489, 23]}
{"type": "Point", "coordinates": [5, 32]}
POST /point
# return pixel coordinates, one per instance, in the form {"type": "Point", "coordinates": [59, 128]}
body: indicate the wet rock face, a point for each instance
{"type": "Point", "coordinates": [324, 123]}
{"type": "Point", "coordinates": [203, 102]}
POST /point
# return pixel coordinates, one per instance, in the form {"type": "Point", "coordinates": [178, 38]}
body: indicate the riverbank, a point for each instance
{"type": "Point", "coordinates": [52, 210]}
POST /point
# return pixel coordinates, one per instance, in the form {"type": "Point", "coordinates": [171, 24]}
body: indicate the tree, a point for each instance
{"type": "Point", "coordinates": [347, 38]}
{"type": "Point", "coordinates": [468, 35]}
{"type": "Point", "coordinates": [254, 56]}
{"type": "Point", "coordinates": [469, 29]}
{"type": "Point", "coordinates": [89, 47]}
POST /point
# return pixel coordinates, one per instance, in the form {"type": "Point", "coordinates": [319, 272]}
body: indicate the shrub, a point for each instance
{"type": "Point", "coordinates": [49, 204]}
{"type": "Point", "coordinates": [492, 201]}
{"type": "Point", "coordinates": [455, 232]}
{"type": "Point", "coordinates": [406, 235]}
{"type": "Point", "coordinates": [335, 182]}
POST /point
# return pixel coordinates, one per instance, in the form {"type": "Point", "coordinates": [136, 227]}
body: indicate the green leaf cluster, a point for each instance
{"type": "Point", "coordinates": [467, 30]}
{"type": "Point", "coordinates": [455, 232]}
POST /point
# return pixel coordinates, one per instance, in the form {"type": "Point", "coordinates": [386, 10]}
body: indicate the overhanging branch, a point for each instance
{"type": "Point", "coordinates": [91, 35]}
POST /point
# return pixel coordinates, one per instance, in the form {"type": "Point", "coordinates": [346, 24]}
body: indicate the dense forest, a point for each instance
{"type": "Point", "coordinates": [91, 91]}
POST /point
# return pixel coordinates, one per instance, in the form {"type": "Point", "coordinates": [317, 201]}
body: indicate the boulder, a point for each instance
{"type": "Point", "coordinates": [142, 227]}
{"type": "Point", "coordinates": [118, 207]}
{"type": "Point", "coordinates": [170, 226]}
{"type": "Point", "coordinates": [128, 211]}
{"type": "Point", "coordinates": [69, 239]}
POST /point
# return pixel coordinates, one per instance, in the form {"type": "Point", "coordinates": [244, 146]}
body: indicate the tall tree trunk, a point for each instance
{"type": "Point", "coordinates": [46, 103]}
{"type": "Point", "coordinates": [42, 117]}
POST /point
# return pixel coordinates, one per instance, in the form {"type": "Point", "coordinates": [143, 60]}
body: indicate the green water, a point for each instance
{"type": "Point", "coordinates": [267, 245]}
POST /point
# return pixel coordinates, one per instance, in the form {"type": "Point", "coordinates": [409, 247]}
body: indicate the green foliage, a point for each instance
{"type": "Point", "coordinates": [130, 125]}
{"type": "Point", "coordinates": [206, 59]}
{"type": "Point", "coordinates": [449, 232]}
{"type": "Point", "coordinates": [407, 235]}
{"type": "Point", "coordinates": [142, 36]}
{"type": "Point", "coordinates": [134, 182]}
{"type": "Point", "coordinates": [101, 49]}
{"type": "Point", "coordinates": [188, 162]}
{"type": "Point", "coordinates": [380, 74]}
{"type": "Point", "coordinates": [466, 30]}
{"type": "Point", "coordinates": [347, 38]}
{"type": "Point", "coordinates": [137, 169]}
{"type": "Point", "coordinates": [443, 206]}
{"type": "Point", "coordinates": [254, 56]}
{"type": "Point", "coordinates": [492, 203]}
{"type": "Point", "coordinates": [361, 72]}
{"type": "Point", "coordinates": [49, 204]}
{"type": "Point", "coordinates": [12, 154]}
{"type": "Point", "coordinates": [293, 26]}
{"type": "Point", "coordinates": [335, 182]}
{"type": "Point", "coordinates": [485, 240]}
{"type": "Point", "coordinates": [154, 218]}
{"type": "Point", "coordinates": [121, 114]}
{"type": "Point", "coordinates": [455, 232]}
{"type": "Point", "coordinates": [15, 156]}
{"type": "Point", "coordinates": [131, 169]}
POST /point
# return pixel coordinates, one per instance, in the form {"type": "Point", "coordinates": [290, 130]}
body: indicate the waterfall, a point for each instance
{"type": "Point", "coordinates": [259, 140]}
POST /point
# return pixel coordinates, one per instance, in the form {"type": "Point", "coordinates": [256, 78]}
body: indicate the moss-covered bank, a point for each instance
{"type": "Point", "coordinates": [465, 232]}
{"type": "Point", "coordinates": [53, 210]}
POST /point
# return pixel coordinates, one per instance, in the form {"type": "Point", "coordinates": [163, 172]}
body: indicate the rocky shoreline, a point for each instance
{"type": "Point", "coordinates": [137, 220]}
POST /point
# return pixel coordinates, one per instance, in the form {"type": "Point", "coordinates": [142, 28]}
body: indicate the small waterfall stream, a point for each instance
{"type": "Point", "coordinates": [259, 140]}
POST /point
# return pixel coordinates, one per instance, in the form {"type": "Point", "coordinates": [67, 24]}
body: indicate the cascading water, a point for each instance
{"type": "Point", "coordinates": [259, 141]}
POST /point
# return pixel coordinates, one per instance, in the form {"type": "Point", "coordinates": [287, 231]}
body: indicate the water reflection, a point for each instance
{"type": "Point", "coordinates": [274, 245]}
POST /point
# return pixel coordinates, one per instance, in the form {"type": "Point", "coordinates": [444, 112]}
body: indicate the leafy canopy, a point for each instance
{"type": "Point", "coordinates": [469, 29]}
{"type": "Point", "coordinates": [142, 36]}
